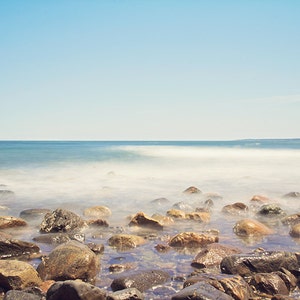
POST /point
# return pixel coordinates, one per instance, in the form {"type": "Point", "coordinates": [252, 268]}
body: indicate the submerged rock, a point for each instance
{"type": "Point", "coordinates": [97, 223]}
{"type": "Point", "coordinates": [10, 222]}
{"type": "Point", "coordinates": [200, 216]}
{"type": "Point", "coordinates": [75, 290]}
{"type": "Point", "coordinates": [17, 275]}
{"type": "Point", "coordinates": [182, 206]}
{"type": "Point", "coordinates": [192, 239]}
{"type": "Point", "coordinates": [237, 208]}
{"type": "Point", "coordinates": [125, 241]}
{"type": "Point", "coordinates": [212, 255]}
{"type": "Point", "coordinates": [71, 260]}
{"type": "Point", "coordinates": [59, 238]}
{"type": "Point", "coordinates": [163, 220]}
{"type": "Point", "coordinates": [34, 213]}
{"type": "Point", "coordinates": [292, 195]}
{"type": "Point", "coordinates": [259, 262]}
{"type": "Point", "coordinates": [250, 227]}
{"type": "Point", "coordinates": [295, 231]}
{"type": "Point", "coordinates": [259, 199]}
{"type": "Point", "coordinates": [161, 201]}
{"type": "Point", "coordinates": [291, 219]}
{"type": "Point", "coordinates": [61, 220]}
{"type": "Point", "coordinates": [126, 294]}
{"type": "Point", "coordinates": [99, 211]}
{"type": "Point", "coordinates": [142, 280]}
{"type": "Point", "coordinates": [141, 220]}
{"type": "Point", "coordinates": [176, 214]}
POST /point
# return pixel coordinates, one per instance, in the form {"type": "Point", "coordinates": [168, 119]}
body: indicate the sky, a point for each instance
{"type": "Point", "coordinates": [149, 70]}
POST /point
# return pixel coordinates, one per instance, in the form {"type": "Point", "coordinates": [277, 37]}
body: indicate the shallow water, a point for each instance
{"type": "Point", "coordinates": [127, 176]}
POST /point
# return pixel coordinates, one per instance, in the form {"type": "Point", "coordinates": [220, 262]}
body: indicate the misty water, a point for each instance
{"type": "Point", "coordinates": [127, 176]}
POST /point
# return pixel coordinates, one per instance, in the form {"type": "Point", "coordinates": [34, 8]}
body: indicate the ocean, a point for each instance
{"type": "Point", "coordinates": [127, 176]}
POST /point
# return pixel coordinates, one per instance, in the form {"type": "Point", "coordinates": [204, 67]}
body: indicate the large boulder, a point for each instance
{"type": "Point", "coordinates": [142, 280]}
{"type": "Point", "coordinates": [61, 220]}
{"type": "Point", "coordinates": [250, 227]}
{"type": "Point", "coordinates": [192, 239]}
{"type": "Point", "coordinates": [259, 262]}
{"type": "Point", "coordinates": [75, 290]}
{"type": "Point", "coordinates": [17, 275]}
{"type": "Point", "coordinates": [71, 260]}
{"type": "Point", "coordinates": [211, 255]}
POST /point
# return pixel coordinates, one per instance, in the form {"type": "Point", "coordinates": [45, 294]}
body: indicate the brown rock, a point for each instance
{"type": "Point", "coordinates": [176, 213]}
{"type": "Point", "coordinates": [163, 220]}
{"type": "Point", "coordinates": [202, 216]}
{"type": "Point", "coordinates": [212, 255]}
{"type": "Point", "coordinates": [97, 223]}
{"type": "Point", "coordinates": [192, 239]}
{"type": "Point", "coordinates": [295, 231]}
{"type": "Point", "coordinates": [99, 211]}
{"type": "Point", "coordinates": [259, 199]}
{"type": "Point", "coordinates": [291, 219]}
{"type": "Point", "coordinates": [9, 222]}
{"type": "Point", "coordinates": [18, 275]}
{"type": "Point", "coordinates": [192, 190]}
{"type": "Point", "coordinates": [71, 260]}
{"type": "Point", "coordinates": [250, 227]}
{"type": "Point", "coordinates": [237, 208]}
{"type": "Point", "coordinates": [141, 220]}
{"type": "Point", "coordinates": [126, 294]}
{"type": "Point", "coordinates": [45, 285]}
{"type": "Point", "coordinates": [34, 213]}
{"type": "Point", "coordinates": [125, 241]}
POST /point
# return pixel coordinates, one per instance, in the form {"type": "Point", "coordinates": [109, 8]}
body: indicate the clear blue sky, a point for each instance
{"type": "Point", "coordinates": [149, 70]}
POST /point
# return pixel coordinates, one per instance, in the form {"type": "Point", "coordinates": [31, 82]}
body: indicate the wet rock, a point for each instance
{"type": "Point", "coordinates": [163, 220]}
{"type": "Point", "coordinates": [292, 195]}
{"type": "Point", "coordinates": [212, 196]}
{"type": "Point", "coordinates": [259, 199]}
{"type": "Point", "coordinates": [250, 227]}
{"type": "Point", "coordinates": [21, 295]}
{"type": "Point", "coordinates": [291, 219]}
{"type": "Point", "coordinates": [162, 248]}
{"type": "Point", "coordinates": [10, 247]}
{"type": "Point", "coordinates": [212, 255]}
{"type": "Point", "coordinates": [141, 220]}
{"type": "Point", "coordinates": [269, 283]}
{"type": "Point", "coordinates": [61, 220]}
{"type": "Point", "coordinates": [126, 294]}
{"type": "Point", "coordinates": [182, 206]}
{"type": "Point", "coordinates": [10, 222]}
{"type": "Point", "coordinates": [259, 262]}
{"type": "Point", "coordinates": [192, 190]}
{"type": "Point", "coordinates": [71, 260]}
{"type": "Point", "coordinates": [271, 210]}
{"type": "Point", "coordinates": [125, 241]}
{"type": "Point", "coordinates": [237, 208]}
{"type": "Point", "coordinates": [283, 297]}
{"type": "Point", "coordinates": [96, 248]}
{"type": "Point", "coordinates": [59, 238]}
{"type": "Point", "coordinates": [97, 211]}
{"type": "Point", "coordinates": [34, 213]}
{"type": "Point", "coordinates": [201, 290]}
{"type": "Point", "coordinates": [192, 239]}
{"type": "Point", "coordinates": [117, 268]}
{"type": "Point", "coordinates": [142, 280]}
{"type": "Point", "coordinates": [161, 201]}
{"type": "Point", "coordinates": [198, 216]}
{"type": "Point", "coordinates": [176, 214]}
{"type": "Point", "coordinates": [234, 286]}
{"type": "Point", "coordinates": [17, 275]}
{"type": "Point", "coordinates": [295, 231]}
{"type": "Point", "coordinates": [75, 290]}
{"type": "Point", "coordinates": [97, 223]}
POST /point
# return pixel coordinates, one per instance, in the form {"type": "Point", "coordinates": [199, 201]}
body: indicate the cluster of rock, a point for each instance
{"type": "Point", "coordinates": [221, 271]}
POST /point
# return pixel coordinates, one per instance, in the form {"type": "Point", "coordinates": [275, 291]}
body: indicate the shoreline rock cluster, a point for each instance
{"type": "Point", "coordinates": [71, 268]}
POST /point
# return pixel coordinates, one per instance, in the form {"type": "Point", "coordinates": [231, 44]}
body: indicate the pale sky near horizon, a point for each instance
{"type": "Point", "coordinates": [149, 70]}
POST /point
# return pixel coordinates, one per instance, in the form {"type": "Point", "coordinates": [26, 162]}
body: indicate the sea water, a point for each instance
{"type": "Point", "coordinates": [126, 176]}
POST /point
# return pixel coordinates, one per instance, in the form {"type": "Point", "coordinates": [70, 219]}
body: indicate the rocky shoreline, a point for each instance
{"type": "Point", "coordinates": [72, 256]}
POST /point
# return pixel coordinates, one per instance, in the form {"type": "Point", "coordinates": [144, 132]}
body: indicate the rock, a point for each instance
{"type": "Point", "coordinates": [61, 220]}
{"type": "Point", "coordinates": [141, 220]}
{"type": "Point", "coordinates": [201, 291]}
{"type": "Point", "coordinates": [45, 286]}
{"type": "Point", "coordinates": [295, 231]}
{"type": "Point", "coordinates": [212, 255]}
{"type": "Point", "coordinates": [142, 280]}
{"type": "Point", "coordinates": [96, 248]}
{"type": "Point", "coordinates": [292, 195]}
{"type": "Point", "coordinates": [182, 206]}
{"type": "Point", "coordinates": [75, 290]}
{"type": "Point", "coordinates": [126, 294]}
{"type": "Point", "coordinates": [125, 241]}
{"type": "Point", "coordinates": [162, 248]}
{"type": "Point", "coordinates": [17, 275]}
{"type": "Point", "coordinates": [259, 199]}
{"type": "Point", "coordinates": [291, 219]}
{"type": "Point", "coordinates": [163, 220]}
{"type": "Point", "coordinates": [34, 213]}
{"type": "Point", "coordinates": [97, 211]}
{"type": "Point", "coordinates": [59, 238]}
{"type": "Point", "coordinates": [6, 195]}
{"type": "Point", "coordinates": [237, 208]}
{"type": "Point", "coordinates": [203, 217]}
{"type": "Point", "coordinates": [21, 295]}
{"type": "Point", "coordinates": [176, 213]}
{"type": "Point", "coordinates": [259, 262]}
{"type": "Point", "coordinates": [192, 190]}
{"type": "Point", "coordinates": [212, 196]}
{"type": "Point", "coordinates": [160, 201]}
{"type": "Point", "coordinates": [192, 239]}
{"type": "Point", "coordinates": [117, 268]}
{"type": "Point", "coordinates": [97, 223]}
{"type": "Point", "coordinates": [71, 260]}
{"type": "Point", "coordinates": [10, 247]}
{"type": "Point", "coordinates": [10, 222]}
{"type": "Point", "coordinates": [233, 285]}
{"type": "Point", "coordinates": [250, 227]}
{"type": "Point", "coordinates": [271, 210]}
